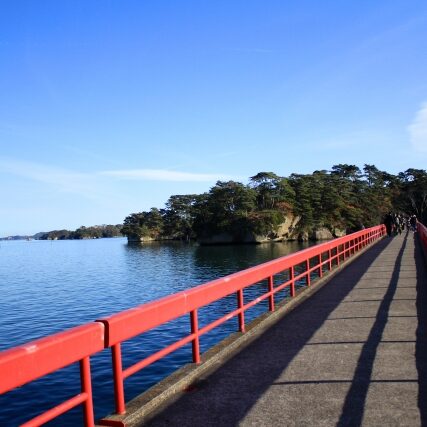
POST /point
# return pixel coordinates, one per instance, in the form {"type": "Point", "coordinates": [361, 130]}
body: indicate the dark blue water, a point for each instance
{"type": "Point", "coordinates": [49, 286]}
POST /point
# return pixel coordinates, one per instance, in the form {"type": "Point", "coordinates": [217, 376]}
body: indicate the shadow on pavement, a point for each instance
{"type": "Point", "coordinates": [353, 409]}
{"type": "Point", "coordinates": [226, 396]}
{"type": "Point", "coordinates": [421, 337]}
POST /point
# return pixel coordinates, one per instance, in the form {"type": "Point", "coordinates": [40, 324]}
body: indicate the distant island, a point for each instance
{"type": "Point", "coordinates": [93, 232]}
{"type": "Point", "coordinates": [317, 206]}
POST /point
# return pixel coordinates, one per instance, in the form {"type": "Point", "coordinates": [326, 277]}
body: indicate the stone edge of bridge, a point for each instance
{"type": "Point", "coordinates": [145, 406]}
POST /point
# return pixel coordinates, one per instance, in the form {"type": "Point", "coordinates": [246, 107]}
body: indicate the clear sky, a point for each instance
{"type": "Point", "coordinates": [110, 107]}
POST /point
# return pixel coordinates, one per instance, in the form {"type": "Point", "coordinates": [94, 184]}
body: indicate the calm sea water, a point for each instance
{"type": "Point", "coordinates": [49, 286]}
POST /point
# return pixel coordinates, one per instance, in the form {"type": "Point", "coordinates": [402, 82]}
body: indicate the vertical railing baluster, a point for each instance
{"type": "Point", "coordinates": [307, 266]}
{"type": "Point", "coordinates": [86, 387]}
{"type": "Point", "coordinates": [241, 315]}
{"type": "Point", "coordinates": [195, 330]}
{"type": "Point", "coordinates": [329, 259]}
{"type": "Point", "coordinates": [270, 290]}
{"type": "Point", "coordinates": [119, 395]}
{"type": "Point", "coordinates": [292, 279]}
{"type": "Point", "coordinates": [320, 266]}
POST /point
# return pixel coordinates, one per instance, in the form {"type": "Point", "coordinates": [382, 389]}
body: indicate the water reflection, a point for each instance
{"type": "Point", "coordinates": [51, 286]}
{"type": "Point", "coordinates": [218, 261]}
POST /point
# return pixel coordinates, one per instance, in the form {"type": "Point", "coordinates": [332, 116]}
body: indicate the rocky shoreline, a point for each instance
{"type": "Point", "coordinates": [286, 232]}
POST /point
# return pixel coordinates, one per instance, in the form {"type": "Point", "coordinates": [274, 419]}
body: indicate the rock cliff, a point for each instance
{"type": "Point", "coordinates": [287, 231]}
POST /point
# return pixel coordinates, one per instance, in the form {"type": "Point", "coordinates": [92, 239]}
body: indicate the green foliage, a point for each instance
{"type": "Point", "coordinates": [271, 189]}
{"type": "Point", "coordinates": [413, 194]}
{"type": "Point", "coordinates": [178, 217]}
{"type": "Point", "coordinates": [345, 197]}
{"type": "Point", "coordinates": [225, 209]}
{"type": "Point", "coordinates": [94, 232]}
{"type": "Point", "coordinates": [148, 224]}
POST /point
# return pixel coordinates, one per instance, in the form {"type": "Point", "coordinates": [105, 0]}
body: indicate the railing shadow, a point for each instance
{"type": "Point", "coordinates": [354, 404]}
{"type": "Point", "coordinates": [421, 334]}
{"type": "Point", "coordinates": [226, 396]}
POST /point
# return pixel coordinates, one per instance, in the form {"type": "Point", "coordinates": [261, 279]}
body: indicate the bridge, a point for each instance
{"type": "Point", "coordinates": [348, 348]}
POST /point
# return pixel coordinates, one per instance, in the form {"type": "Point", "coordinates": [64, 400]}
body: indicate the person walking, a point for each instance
{"type": "Point", "coordinates": [388, 222]}
{"type": "Point", "coordinates": [413, 222]}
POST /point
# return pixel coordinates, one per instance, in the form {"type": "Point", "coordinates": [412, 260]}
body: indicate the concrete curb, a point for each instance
{"type": "Point", "coordinates": [145, 406]}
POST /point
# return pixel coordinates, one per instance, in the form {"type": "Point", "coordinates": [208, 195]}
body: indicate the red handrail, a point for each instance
{"type": "Point", "coordinates": [130, 323]}
{"type": "Point", "coordinates": [26, 363]}
{"type": "Point", "coordinates": [422, 234]}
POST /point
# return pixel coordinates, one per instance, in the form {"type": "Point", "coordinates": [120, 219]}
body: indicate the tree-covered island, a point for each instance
{"type": "Point", "coordinates": [93, 232]}
{"type": "Point", "coordinates": [81, 233]}
{"type": "Point", "coordinates": [270, 207]}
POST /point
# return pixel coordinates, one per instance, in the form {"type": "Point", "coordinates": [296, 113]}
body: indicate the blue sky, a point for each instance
{"type": "Point", "coordinates": [109, 107]}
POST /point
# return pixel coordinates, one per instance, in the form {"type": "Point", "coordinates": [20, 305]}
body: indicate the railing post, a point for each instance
{"type": "Point", "coordinates": [271, 297]}
{"type": "Point", "coordinates": [292, 279]}
{"type": "Point", "coordinates": [307, 266]}
{"type": "Point", "coordinates": [320, 266]}
{"type": "Point", "coordinates": [338, 255]}
{"type": "Point", "coordinates": [329, 260]}
{"type": "Point", "coordinates": [195, 330]}
{"type": "Point", "coordinates": [119, 394]}
{"type": "Point", "coordinates": [241, 315]}
{"type": "Point", "coordinates": [86, 387]}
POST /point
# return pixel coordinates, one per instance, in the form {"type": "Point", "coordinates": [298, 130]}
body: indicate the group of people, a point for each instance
{"type": "Point", "coordinates": [395, 223]}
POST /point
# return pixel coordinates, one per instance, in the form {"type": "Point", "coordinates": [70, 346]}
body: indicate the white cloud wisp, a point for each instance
{"type": "Point", "coordinates": [62, 180]}
{"type": "Point", "coordinates": [97, 184]}
{"type": "Point", "coordinates": [418, 130]}
{"type": "Point", "coordinates": [164, 175]}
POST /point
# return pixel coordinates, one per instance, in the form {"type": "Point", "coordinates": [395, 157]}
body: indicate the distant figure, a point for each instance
{"type": "Point", "coordinates": [413, 222]}
{"type": "Point", "coordinates": [399, 223]}
{"type": "Point", "coordinates": [388, 222]}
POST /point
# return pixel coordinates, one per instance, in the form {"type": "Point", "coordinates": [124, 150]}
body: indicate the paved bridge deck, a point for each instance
{"type": "Point", "coordinates": [353, 354]}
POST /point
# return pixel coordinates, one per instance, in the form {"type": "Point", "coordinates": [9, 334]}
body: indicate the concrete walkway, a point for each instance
{"type": "Point", "coordinates": [353, 354]}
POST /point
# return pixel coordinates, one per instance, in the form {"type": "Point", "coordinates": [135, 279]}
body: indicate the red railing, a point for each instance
{"type": "Point", "coordinates": [422, 234]}
{"type": "Point", "coordinates": [128, 324]}
{"type": "Point", "coordinates": [24, 364]}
